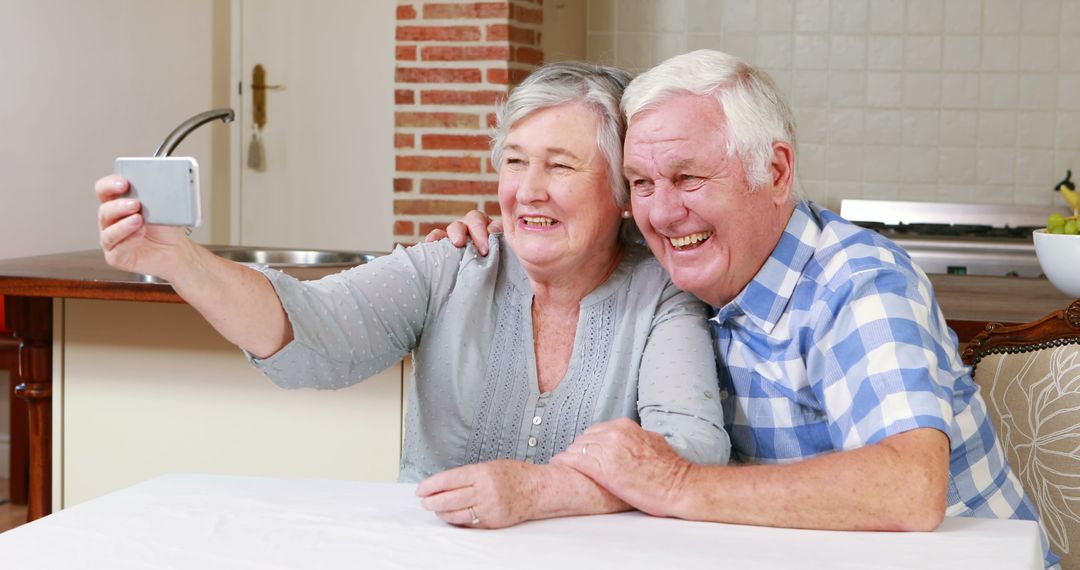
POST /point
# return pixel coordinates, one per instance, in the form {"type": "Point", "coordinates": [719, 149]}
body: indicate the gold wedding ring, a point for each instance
{"type": "Point", "coordinates": [475, 519]}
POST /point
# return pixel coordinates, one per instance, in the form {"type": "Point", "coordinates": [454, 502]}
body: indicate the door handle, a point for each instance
{"type": "Point", "coordinates": [258, 94]}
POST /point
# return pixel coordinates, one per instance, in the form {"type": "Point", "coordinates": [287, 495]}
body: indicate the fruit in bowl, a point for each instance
{"type": "Point", "coordinates": [1058, 224]}
{"type": "Point", "coordinates": [1058, 250]}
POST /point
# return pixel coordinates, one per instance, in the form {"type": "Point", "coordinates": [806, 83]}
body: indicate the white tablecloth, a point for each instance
{"type": "Point", "coordinates": [205, 521]}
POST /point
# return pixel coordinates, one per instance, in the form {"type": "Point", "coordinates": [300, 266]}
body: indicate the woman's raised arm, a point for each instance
{"type": "Point", "coordinates": [236, 300]}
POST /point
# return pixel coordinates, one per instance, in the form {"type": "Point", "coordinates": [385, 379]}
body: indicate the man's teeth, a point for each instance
{"type": "Point", "coordinates": [690, 239]}
{"type": "Point", "coordinates": [538, 221]}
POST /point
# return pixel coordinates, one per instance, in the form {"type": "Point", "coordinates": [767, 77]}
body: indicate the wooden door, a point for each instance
{"type": "Point", "coordinates": [327, 143]}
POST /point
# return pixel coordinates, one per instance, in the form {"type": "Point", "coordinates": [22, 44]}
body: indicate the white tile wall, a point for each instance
{"type": "Point", "coordinates": [948, 100]}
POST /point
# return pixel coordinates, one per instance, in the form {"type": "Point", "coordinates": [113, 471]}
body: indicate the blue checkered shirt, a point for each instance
{"type": "Point", "coordinates": [839, 343]}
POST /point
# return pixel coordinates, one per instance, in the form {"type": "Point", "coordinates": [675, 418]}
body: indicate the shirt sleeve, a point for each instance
{"type": "Point", "coordinates": [881, 362]}
{"type": "Point", "coordinates": [350, 326]}
{"type": "Point", "coordinates": [678, 391]}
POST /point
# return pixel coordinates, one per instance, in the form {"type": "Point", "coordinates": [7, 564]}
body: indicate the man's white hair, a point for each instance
{"type": "Point", "coordinates": [757, 113]}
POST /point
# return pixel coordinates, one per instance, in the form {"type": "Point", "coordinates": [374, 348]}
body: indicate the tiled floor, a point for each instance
{"type": "Point", "coordinates": [11, 515]}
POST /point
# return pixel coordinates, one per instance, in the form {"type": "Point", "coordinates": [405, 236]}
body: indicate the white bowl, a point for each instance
{"type": "Point", "coordinates": [1059, 256]}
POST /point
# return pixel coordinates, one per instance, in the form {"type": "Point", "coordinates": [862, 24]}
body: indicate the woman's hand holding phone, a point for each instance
{"type": "Point", "coordinates": [129, 243]}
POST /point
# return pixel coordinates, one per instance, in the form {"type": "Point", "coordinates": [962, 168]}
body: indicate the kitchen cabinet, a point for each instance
{"type": "Point", "coordinates": [124, 380]}
{"type": "Point", "coordinates": [145, 389]}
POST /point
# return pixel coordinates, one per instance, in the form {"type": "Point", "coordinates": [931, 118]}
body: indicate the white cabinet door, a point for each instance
{"type": "Point", "coordinates": [328, 138]}
{"type": "Point", "coordinates": [146, 389]}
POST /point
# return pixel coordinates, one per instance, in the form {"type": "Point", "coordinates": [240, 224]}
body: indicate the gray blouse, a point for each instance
{"type": "Point", "coordinates": [642, 351]}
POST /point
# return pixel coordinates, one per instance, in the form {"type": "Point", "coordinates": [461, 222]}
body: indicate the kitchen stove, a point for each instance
{"type": "Point", "coordinates": [970, 231]}
{"type": "Point", "coordinates": [960, 239]}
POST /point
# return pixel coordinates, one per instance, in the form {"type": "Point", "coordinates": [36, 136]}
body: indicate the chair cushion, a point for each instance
{"type": "Point", "coordinates": [1034, 400]}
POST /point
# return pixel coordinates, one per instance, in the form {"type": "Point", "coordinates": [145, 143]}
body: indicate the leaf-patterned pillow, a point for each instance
{"type": "Point", "coordinates": [1034, 400]}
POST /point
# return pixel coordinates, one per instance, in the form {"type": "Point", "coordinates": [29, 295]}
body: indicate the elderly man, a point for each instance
{"type": "Point", "coordinates": [846, 401]}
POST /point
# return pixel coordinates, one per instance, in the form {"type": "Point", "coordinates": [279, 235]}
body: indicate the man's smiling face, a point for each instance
{"type": "Point", "coordinates": [693, 203]}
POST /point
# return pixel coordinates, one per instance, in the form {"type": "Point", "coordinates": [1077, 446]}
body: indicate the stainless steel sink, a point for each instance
{"type": "Point", "coordinates": [303, 264]}
{"type": "Point", "coordinates": [284, 257]}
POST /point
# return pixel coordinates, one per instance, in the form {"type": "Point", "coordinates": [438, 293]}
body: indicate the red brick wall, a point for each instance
{"type": "Point", "coordinates": [454, 61]}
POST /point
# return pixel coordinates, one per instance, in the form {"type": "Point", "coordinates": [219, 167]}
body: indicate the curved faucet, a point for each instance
{"type": "Point", "coordinates": [166, 147]}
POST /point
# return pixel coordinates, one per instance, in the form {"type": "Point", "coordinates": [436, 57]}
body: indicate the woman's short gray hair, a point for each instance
{"type": "Point", "coordinates": [554, 84]}
{"type": "Point", "coordinates": [757, 113]}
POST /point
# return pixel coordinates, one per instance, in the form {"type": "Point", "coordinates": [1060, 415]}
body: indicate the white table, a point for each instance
{"type": "Point", "coordinates": [206, 521]}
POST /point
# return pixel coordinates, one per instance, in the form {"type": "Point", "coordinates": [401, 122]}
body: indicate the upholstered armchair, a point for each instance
{"type": "Point", "coordinates": [1029, 376]}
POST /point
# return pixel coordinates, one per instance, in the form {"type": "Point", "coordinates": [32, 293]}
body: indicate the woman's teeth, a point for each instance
{"type": "Point", "coordinates": [537, 221]}
{"type": "Point", "coordinates": [692, 239]}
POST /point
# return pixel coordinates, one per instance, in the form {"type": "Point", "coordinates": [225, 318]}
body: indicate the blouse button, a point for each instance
{"type": "Point", "coordinates": [532, 442]}
{"type": "Point", "coordinates": [537, 420]}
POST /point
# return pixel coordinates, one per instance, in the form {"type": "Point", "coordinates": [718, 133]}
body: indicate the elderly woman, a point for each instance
{"type": "Point", "coordinates": [562, 326]}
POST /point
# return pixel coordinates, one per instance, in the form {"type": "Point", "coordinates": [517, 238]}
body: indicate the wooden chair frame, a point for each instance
{"type": "Point", "coordinates": [1056, 329]}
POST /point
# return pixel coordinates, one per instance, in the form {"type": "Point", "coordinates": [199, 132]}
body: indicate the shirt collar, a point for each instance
{"type": "Point", "coordinates": [764, 299]}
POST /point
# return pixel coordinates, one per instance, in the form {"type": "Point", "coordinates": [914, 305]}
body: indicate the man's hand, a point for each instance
{"type": "Point", "coordinates": [635, 465]}
{"type": "Point", "coordinates": [498, 493]}
{"type": "Point", "coordinates": [898, 484]}
{"type": "Point", "coordinates": [476, 225]}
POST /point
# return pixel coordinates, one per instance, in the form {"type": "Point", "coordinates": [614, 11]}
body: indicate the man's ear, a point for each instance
{"type": "Point", "coordinates": [782, 172]}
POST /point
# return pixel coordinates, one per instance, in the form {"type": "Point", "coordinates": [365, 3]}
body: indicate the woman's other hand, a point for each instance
{"type": "Point", "coordinates": [129, 243]}
{"type": "Point", "coordinates": [476, 225]}
{"type": "Point", "coordinates": [495, 494]}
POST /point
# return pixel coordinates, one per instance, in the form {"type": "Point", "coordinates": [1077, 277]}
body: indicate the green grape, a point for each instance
{"type": "Point", "coordinates": [1070, 228]}
{"type": "Point", "coordinates": [1055, 221]}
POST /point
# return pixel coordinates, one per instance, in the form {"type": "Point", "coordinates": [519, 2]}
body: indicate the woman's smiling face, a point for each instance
{"type": "Point", "coordinates": [558, 210]}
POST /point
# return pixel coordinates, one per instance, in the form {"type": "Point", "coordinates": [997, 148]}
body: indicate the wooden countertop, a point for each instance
{"type": "Point", "coordinates": [1000, 299]}
{"type": "Point", "coordinates": [85, 275]}
{"type": "Point", "coordinates": [79, 275]}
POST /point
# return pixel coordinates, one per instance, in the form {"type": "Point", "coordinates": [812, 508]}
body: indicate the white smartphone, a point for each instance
{"type": "Point", "coordinates": [167, 187]}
